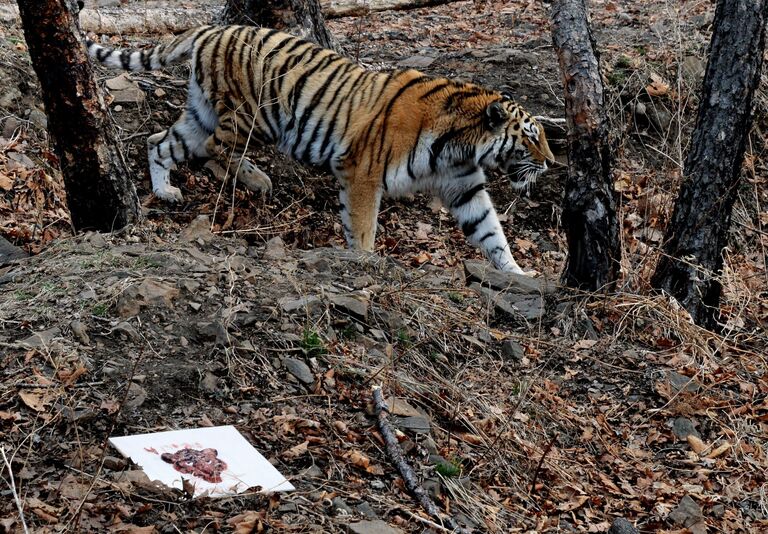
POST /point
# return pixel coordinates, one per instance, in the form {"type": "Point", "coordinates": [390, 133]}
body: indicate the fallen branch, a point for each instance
{"type": "Point", "coordinates": [406, 471]}
{"type": "Point", "coordinates": [354, 8]}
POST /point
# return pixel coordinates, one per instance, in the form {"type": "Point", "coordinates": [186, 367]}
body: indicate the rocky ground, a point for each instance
{"type": "Point", "coordinates": [522, 407]}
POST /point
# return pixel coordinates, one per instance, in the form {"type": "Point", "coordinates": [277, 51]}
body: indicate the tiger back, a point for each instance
{"type": "Point", "coordinates": [397, 132]}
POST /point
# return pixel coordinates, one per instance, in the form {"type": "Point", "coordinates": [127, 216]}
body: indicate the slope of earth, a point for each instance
{"type": "Point", "coordinates": [520, 411]}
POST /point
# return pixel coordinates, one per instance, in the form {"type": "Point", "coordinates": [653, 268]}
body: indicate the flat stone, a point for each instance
{"type": "Point", "coordinates": [10, 252]}
{"type": "Point", "coordinates": [487, 276]}
{"type": "Point", "coordinates": [530, 308]}
{"type": "Point", "coordinates": [366, 510]}
{"type": "Point", "coordinates": [680, 382]}
{"type": "Point", "coordinates": [622, 526]}
{"type": "Point", "coordinates": [687, 512]}
{"type": "Point", "coordinates": [300, 370]}
{"type": "Point", "coordinates": [402, 408]}
{"type": "Point", "coordinates": [80, 332]}
{"type": "Point", "coordinates": [376, 526]}
{"type": "Point", "coordinates": [416, 423]}
{"type": "Point", "coordinates": [275, 249]}
{"type": "Point", "coordinates": [356, 305]}
{"type": "Point", "coordinates": [135, 397]}
{"type": "Point", "coordinates": [41, 339]}
{"type": "Point", "coordinates": [512, 350]}
{"type": "Point", "coordinates": [340, 506]}
{"type": "Point", "coordinates": [683, 427]}
{"type": "Point", "coordinates": [308, 303]}
{"type": "Point", "coordinates": [416, 62]}
{"type": "Point", "coordinates": [199, 228]}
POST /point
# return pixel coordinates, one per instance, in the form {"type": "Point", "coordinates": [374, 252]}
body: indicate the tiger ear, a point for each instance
{"type": "Point", "coordinates": [495, 115]}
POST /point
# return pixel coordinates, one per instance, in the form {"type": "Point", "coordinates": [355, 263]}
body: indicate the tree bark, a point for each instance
{"type": "Point", "coordinates": [589, 210]}
{"type": "Point", "coordinates": [100, 194]}
{"type": "Point", "coordinates": [698, 232]}
{"type": "Point", "coordinates": [300, 17]}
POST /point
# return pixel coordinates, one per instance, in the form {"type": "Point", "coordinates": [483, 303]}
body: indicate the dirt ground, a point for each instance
{"type": "Point", "coordinates": [528, 409]}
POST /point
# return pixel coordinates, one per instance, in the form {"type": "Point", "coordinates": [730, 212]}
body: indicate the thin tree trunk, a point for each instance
{"type": "Point", "coordinates": [589, 212]}
{"type": "Point", "coordinates": [300, 17]}
{"type": "Point", "coordinates": [698, 231]}
{"type": "Point", "coordinates": [100, 194]}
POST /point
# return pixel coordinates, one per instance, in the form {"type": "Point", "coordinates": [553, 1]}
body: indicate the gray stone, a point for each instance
{"type": "Point", "coordinates": [687, 513]}
{"type": "Point", "coordinates": [341, 507]}
{"type": "Point", "coordinates": [288, 507]}
{"type": "Point", "coordinates": [683, 427]}
{"type": "Point", "coordinates": [80, 332]}
{"type": "Point", "coordinates": [135, 397]}
{"type": "Point", "coordinates": [199, 228]}
{"type": "Point", "coordinates": [299, 369]}
{"type": "Point", "coordinates": [38, 118]}
{"type": "Point", "coordinates": [434, 487]}
{"type": "Point", "coordinates": [126, 329]}
{"type": "Point", "coordinates": [622, 526]}
{"type": "Point", "coordinates": [209, 383]}
{"type": "Point", "coordinates": [366, 510]}
{"type": "Point", "coordinates": [531, 308]}
{"type": "Point", "coordinates": [416, 62]}
{"type": "Point", "coordinates": [482, 272]}
{"type": "Point", "coordinates": [10, 125]}
{"type": "Point", "coordinates": [313, 471]}
{"type": "Point", "coordinates": [10, 252]}
{"type": "Point", "coordinates": [308, 304]}
{"type": "Point", "coordinates": [352, 304]}
{"type": "Point", "coordinates": [416, 423]}
{"type": "Point", "coordinates": [512, 350]}
{"type": "Point", "coordinates": [680, 382]}
{"type": "Point", "coordinates": [275, 249]}
{"type": "Point", "coordinates": [376, 526]}
{"type": "Point", "coordinates": [41, 339]}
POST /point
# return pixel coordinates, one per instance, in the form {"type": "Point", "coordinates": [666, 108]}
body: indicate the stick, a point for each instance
{"type": "Point", "coordinates": [406, 471]}
{"type": "Point", "coordinates": [12, 484]}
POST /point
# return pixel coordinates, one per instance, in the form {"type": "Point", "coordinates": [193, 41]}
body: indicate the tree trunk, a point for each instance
{"type": "Point", "coordinates": [589, 212]}
{"type": "Point", "coordinates": [698, 231]}
{"type": "Point", "coordinates": [302, 18]}
{"type": "Point", "coordinates": [100, 194]}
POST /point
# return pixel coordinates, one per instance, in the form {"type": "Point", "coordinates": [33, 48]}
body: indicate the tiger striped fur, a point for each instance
{"type": "Point", "coordinates": [397, 132]}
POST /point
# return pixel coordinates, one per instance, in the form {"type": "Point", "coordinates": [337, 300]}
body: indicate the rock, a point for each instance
{"type": "Point", "coordinates": [41, 339]}
{"type": "Point", "coordinates": [416, 62]}
{"type": "Point", "coordinates": [300, 370]}
{"type": "Point", "coordinates": [38, 118]}
{"type": "Point", "coordinates": [680, 382]}
{"type": "Point", "coordinates": [115, 464]}
{"type": "Point", "coordinates": [512, 350]}
{"type": "Point", "coordinates": [11, 94]}
{"type": "Point", "coordinates": [352, 304]}
{"type": "Point", "coordinates": [149, 292]}
{"type": "Point", "coordinates": [531, 308]}
{"type": "Point", "coordinates": [622, 526]}
{"type": "Point", "coordinates": [127, 329]}
{"type": "Point", "coordinates": [687, 513]}
{"type": "Point", "coordinates": [341, 507]}
{"type": "Point", "coordinates": [17, 160]}
{"type": "Point", "coordinates": [80, 332]}
{"type": "Point", "coordinates": [199, 228]}
{"type": "Point", "coordinates": [275, 249]}
{"type": "Point", "coordinates": [416, 423]}
{"type": "Point", "coordinates": [308, 304]}
{"type": "Point", "coordinates": [135, 397]}
{"type": "Point", "coordinates": [487, 276]}
{"type": "Point", "coordinates": [683, 427]}
{"type": "Point", "coordinates": [209, 383]}
{"type": "Point", "coordinates": [124, 90]}
{"type": "Point", "coordinates": [10, 252]}
{"type": "Point", "coordinates": [366, 510]}
{"type": "Point", "coordinates": [10, 125]}
{"type": "Point", "coordinates": [434, 487]}
{"type": "Point", "coordinates": [378, 484]}
{"type": "Point", "coordinates": [376, 526]}
{"type": "Point", "coordinates": [313, 471]}
{"type": "Point", "coordinates": [402, 408]}
{"type": "Point", "coordinates": [693, 67]}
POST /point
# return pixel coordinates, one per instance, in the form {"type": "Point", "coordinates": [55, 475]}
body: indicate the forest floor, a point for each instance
{"type": "Point", "coordinates": [528, 409]}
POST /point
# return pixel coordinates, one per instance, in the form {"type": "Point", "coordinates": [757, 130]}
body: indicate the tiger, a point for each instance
{"type": "Point", "coordinates": [395, 132]}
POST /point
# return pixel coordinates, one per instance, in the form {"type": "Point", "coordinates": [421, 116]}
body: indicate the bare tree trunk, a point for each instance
{"type": "Point", "coordinates": [299, 17]}
{"type": "Point", "coordinates": [698, 231]}
{"type": "Point", "coordinates": [100, 194]}
{"type": "Point", "coordinates": [589, 210]}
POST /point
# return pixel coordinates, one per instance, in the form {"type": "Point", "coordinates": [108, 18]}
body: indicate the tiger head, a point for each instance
{"type": "Point", "coordinates": [516, 144]}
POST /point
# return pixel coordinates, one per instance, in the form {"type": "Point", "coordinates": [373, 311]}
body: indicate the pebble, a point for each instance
{"type": "Point", "coordinates": [299, 369]}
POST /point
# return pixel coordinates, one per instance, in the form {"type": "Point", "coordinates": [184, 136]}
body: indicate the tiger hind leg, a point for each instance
{"type": "Point", "coordinates": [223, 146]}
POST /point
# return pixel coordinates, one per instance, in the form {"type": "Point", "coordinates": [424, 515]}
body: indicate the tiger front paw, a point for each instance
{"type": "Point", "coordinates": [169, 194]}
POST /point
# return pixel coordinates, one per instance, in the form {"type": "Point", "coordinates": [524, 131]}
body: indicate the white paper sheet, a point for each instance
{"type": "Point", "coordinates": [245, 466]}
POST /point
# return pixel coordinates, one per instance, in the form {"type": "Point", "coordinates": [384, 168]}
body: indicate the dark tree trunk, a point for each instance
{"type": "Point", "coordinates": [299, 17]}
{"type": "Point", "coordinates": [589, 210]}
{"type": "Point", "coordinates": [100, 194]}
{"type": "Point", "coordinates": [698, 231]}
